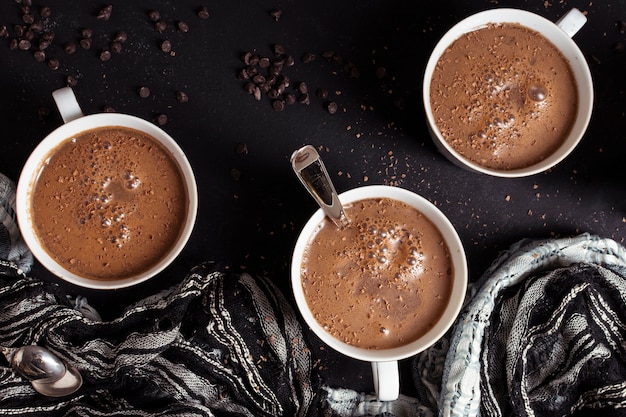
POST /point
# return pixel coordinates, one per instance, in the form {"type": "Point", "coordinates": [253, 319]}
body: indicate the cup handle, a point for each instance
{"type": "Point", "coordinates": [67, 104]}
{"type": "Point", "coordinates": [571, 22]}
{"type": "Point", "coordinates": [386, 380]}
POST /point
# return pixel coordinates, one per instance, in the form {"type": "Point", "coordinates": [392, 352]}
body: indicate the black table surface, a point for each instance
{"type": "Point", "coordinates": [251, 205]}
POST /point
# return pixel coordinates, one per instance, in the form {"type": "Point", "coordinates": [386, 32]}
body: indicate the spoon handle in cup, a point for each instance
{"type": "Point", "coordinates": [311, 171]}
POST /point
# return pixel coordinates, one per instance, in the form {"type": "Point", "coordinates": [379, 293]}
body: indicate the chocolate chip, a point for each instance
{"type": "Point", "coordinates": [53, 64]}
{"type": "Point", "coordinates": [308, 57]}
{"type": "Point", "coordinates": [70, 81]}
{"type": "Point", "coordinates": [264, 62]}
{"type": "Point", "coordinates": [258, 79]}
{"type": "Point", "coordinates": [160, 26]}
{"type": "Point", "coordinates": [304, 99]}
{"type": "Point", "coordinates": [290, 98]}
{"type": "Point", "coordinates": [69, 48]}
{"type": "Point", "coordinates": [381, 72]}
{"type": "Point", "coordinates": [161, 119]}
{"type": "Point", "coordinates": [289, 61]}
{"type": "Point", "coordinates": [303, 88]}
{"type": "Point", "coordinates": [37, 26]}
{"type": "Point", "coordinates": [86, 33]}
{"type": "Point", "coordinates": [45, 12]}
{"type": "Point", "coordinates": [4, 32]}
{"type": "Point", "coordinates": [278, 105]}
{"type": "Point", "coordinates": [120, 37]}
{"type": "Point", "coordinates": [257, 93]}
{"type": "Point", "coordinates": [105, 13]}
{"type": "Point", "coordinates": [245, 58]}
{"type": "Point", "coordinates": [621, 26]}
{"type": "Point", "coordinates": [28, 18]}
{"type": "Point", "coordinates": [235, 174]}
{"type": "Point", "coordinates": [116, 47]}
{"type": "Point", "coordinates": [332, 107]}
{"type": "Point", "coordinates": [85, 43]}
{"type": "Point", "coordinates": [154, 15]}
{"type": "Point", "coordinates": [24, 44]}
{"type": "Point", "coordinates": [273, 93]}
{"type": "Point", "coordinates": [40, 56]}
{"type": "Point", "coordinates": [328, 54]}
{"type": "Point", "coordinates": [19, 30]}
{"type": "Point", "coordinates": [109, 109]}
{"type": "Point", "coordinates": [250, 87]}
{"type": "Point", "coordinates": [166, 46]}
{"type": "Point", "coordinates": [13, 44]}
{"type": "Point", "coordinates": [241, 148]}
{"type": "Point", "coordinates": [618, 46]}
{"type": "Point", "coordinates": [105, 55]}
{"type": "Point", "coordinates": [183, 27]}
{"type": "Point", "coordinates": [144, 92]}
{"type": "Point", "coordinates": [279, 49]}
{"type": "Point", "coordinates": [276, 14]}
{"type": "Point", "coordinates": [321, 93]}
{"type": "Point", "coordinates": [182, 97]}
{"type": "Point", "coordinates": [203, 13]}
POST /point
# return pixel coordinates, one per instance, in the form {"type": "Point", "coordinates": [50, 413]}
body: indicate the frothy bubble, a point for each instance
{"type": "Point", "coordinates": [537, 92]}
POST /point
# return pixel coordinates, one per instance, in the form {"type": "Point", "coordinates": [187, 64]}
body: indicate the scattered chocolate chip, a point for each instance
{"type": "Point", "coordinates": [304, 99]}
{"type": "Point", "coordinates": [70, 81]}
{"type": "Point", "coordinates": [303, 87]}
{"type": "Point", "coordinates": [28, 18]}
{"type": "Point", "coordinates": [618, 46]}
{"type": "Point", "coordinates": [257, 93]}
{"type": "Point", "coordinates": [241, 148]}
{"type": "Point", "coordinates": [381, 72]}
{"type": "Point", "coordinates": [278, 105]}
{"type": "Point", "coordinates": [321, 93]}
{"type": "Point", "coordinates": [105, 55]}
{"type": "Point", "coordinates": [24, 44]}
{"type": "Point", "coordinates": [621, 26]}
{"type": "Point", "coordinates": [4, 32]}
{"type": "Point", "coordinates": [160, 26]}
{"type": "Point", "coordinates": [86, 33]}
{"type": "Point", "coordinates": [29, 35]}
{"type": "Point", "coordinates": [203, 13]}
{"type": "Point", "coordinates": [53, 64]}
{"type": "Point", "coordinates": [37, 26]}
{"type": "Point", "coordinates": [13, 43]}
{"type": "Point", "coordinates": [40, 56]}
{"type": "Point", "coordinates": [290, 98]}
{"type": "Point", "coordinates": [264, 62]}
{"type": "Point", "coordinates": [161, 119]}
{"type": "Point", "coordinates": [166, 46]}
{"type": "Point", "coordinates": [85, 43]}
{"type": "Point", "coordinates": [116, 47]}
{"type": "Point", "coordinates": [182, 97]}
{"type": "Point", "coordinates": [45, 12]}
{"type": "Point", "coordinates": [245, 58]}
{"type": "Point", "coordinates": [183, 27]}
{"type": "Point", "coordinates": [235, 174]}
{"type": "Point", "coordinates": [19, 30]}
{"type": "Point", "coordinates": [289, 61]}
{"type": "Point", "coordinates": [308, 57]}
{"type": "Point", "coordinates": [109, 109]}
{"type": "Point", "coordinates": [69, 48]}
{"type": "Point", "coordinates": [249, 87]}
{"type": "Point", "coordinates": [273, 93]}
{"type": "Point", "coordinates": [276, 14]}
{"type": "Point", "coordinates": [154, 15]}
{"type": "Point", "coordinates": [328, 54]}
{"type": "Point", "coordinates": [144, 92]}
{"type": "Point", "coordinates": [120, 37]}
{"type": "Point", "coordinates": [279, 49]}
{"type": "Point", "coordinates": [331, 107]}
{"type": "Point", "coordinates": [258, 79]}
{"type": "Point", "coordinates": [105, 13]}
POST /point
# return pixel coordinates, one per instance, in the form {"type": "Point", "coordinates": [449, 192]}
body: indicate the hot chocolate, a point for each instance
{"type": "Point", "coordinates": [109, 203]}
{"type": "Point", "coordinates": [504, 96]}
{"type": "Point", "coordinates": [380, 282]}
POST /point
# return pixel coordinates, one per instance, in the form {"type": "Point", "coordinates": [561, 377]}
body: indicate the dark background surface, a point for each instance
{"type": "Point", "coordinates": [251, 204]}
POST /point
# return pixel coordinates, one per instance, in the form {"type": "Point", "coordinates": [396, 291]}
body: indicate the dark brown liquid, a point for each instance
{"type": "Point", "coordinates": [504, 96]}
{"type": "Point", "coordinates": [381, 282]}
{"type": "Point", "coordinates": [110, 203]}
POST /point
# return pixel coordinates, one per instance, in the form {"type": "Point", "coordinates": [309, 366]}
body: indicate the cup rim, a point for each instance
{"type": "Point", "coordinates": [44, 150]}
{"type": "Point", "coordinates": [460, 279]}
{"type": "Point", "coordinates": [550, 30]}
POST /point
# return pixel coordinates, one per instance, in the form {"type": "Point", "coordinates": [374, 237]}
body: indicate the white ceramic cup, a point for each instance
{"type": "Point", "coordinates": [75, 123]}
{"type": "Point", "coordinates": [385, 361]}
{"type": "Point", "coordinates": [560, 34]}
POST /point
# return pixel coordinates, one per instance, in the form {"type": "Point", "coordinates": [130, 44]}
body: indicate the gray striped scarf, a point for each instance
{"type": "Point", "coordinates": [542, 334]}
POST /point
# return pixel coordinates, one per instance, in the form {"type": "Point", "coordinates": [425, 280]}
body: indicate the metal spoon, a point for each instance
{"type": "Point", "coordinates": [48, 374]}
{"type": "Point", "coordinates": [311, 171]}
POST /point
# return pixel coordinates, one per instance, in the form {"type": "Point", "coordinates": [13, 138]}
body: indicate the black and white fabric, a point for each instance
{"type": "Point", "coordinates": [12, 247]}
{"type": "Point", "coordinates": [542, 334]}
